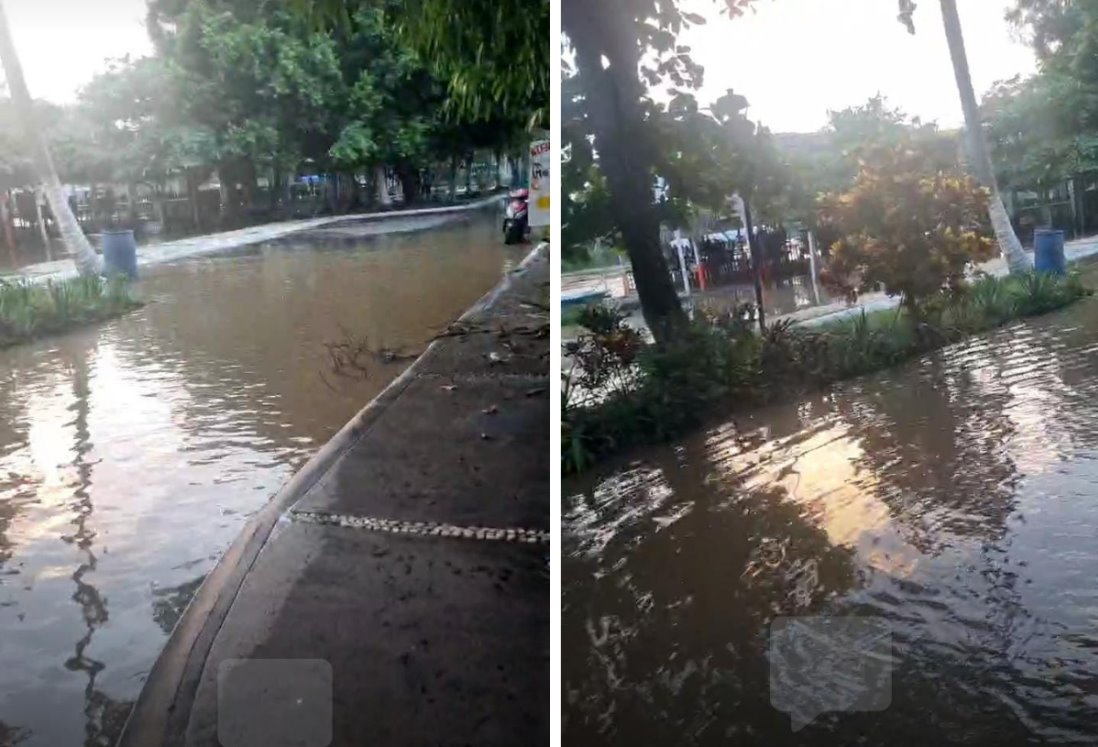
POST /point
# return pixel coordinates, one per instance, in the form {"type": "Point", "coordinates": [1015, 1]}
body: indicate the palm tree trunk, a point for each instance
{"type": "Point", "coordinates": [76, 243]}
{"type": "Point", "coordinates": [1016, 257]}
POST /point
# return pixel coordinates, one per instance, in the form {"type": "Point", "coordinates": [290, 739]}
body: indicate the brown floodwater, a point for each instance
{"type": "Point", "coordinates": [132, 453]}
{"type": "Point", "coordinates": [953, 499]}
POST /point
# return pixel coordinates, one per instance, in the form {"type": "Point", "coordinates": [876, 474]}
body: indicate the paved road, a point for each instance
{"type": "Point", "coordinates": [170, 251]}
{"type": "Point", "coordinates": [403, 572]}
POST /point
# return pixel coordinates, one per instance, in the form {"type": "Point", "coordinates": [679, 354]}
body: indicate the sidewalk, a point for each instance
{"type": "Point", "coordinates": [169, 251]}
{"type": "Point", "coordinates": [1074, 251]}
{"type": "Point", "coordinates": [410, 556]}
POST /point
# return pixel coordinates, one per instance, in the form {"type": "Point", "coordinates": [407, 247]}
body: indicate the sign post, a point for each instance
{"type": "Point", "coordinates": [540, 159]}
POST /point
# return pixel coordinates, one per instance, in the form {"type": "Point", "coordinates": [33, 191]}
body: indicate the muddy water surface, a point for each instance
{"type": "Point", "coordinates": [954, 499]}
{"type": "Point", "coordinates": [132, 453]}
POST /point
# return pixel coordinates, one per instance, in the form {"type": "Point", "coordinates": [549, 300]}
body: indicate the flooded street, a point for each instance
{"type": "Point", "coordinates": [132, 453]}
{"type": "Point", "coordinates": [954, 498]}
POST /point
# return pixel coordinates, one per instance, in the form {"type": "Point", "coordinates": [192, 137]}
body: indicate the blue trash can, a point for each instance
{"type": "Point", "coordinates": [1048, 251]}
{"type": "Point", "coordinates": [119, 253]}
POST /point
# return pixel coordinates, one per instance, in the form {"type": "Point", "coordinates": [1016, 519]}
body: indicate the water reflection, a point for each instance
{"type": "Point", "coordinates": [130, 454]}
{"type": "Point", "coordinates": [669, 569]}
{"type": "Point", "coordinates": [952, 497]}
{"type": "Point", "coordinates": [169, 604]}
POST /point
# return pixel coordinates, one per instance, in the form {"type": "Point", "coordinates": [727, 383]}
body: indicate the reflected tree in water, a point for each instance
{"type": "Point", "coordinates": [16, 489]}
{"type": "Point", "coordinates": [104, 715]}
{"type": "Point", "coordinates": [170, 602]}
{"type": "Point", "coordinates": [933, 436]}
{"type": "Point", "coordinates": [932, 441]}
{"type": "Point", "coordinates": [668, 595]}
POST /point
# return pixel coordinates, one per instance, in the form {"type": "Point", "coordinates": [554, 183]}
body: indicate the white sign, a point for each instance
{"type": "Point", "coordinates": [539, 183]}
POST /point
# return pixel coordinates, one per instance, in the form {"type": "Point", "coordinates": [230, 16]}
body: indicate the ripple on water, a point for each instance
{"type": "Point", "coordinates": [952, 497]}
{"type": "Point", "coordinates": [131, 453]}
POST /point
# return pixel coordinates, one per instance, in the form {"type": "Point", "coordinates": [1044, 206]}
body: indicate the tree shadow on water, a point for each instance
{"type": "Point", "coordinates": [104, 716]}
{"type": "Point", "coordinates": [664, 623]}
{"type": "Point", "coordinates": [675, 567]}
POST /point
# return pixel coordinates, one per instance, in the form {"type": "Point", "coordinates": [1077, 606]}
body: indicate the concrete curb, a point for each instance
{"type": "Point", "coordinates": [161, 713]}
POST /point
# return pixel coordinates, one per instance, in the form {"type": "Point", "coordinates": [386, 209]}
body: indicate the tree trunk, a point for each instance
{"type": "Point", "coordinates": [756, 263]}
{"type": "Point", "coordinates": [224, 200]}
{"type": "Point", "coordinates": [76, 243]}
{"type": "Point", "coordinates": [409, 182]}
{"type": "Point", "coordinates": [382, 187]}
{"type": "Point", "coordinates": [131, 207]}
{"type": "Point", "coordinates": [515, 161]}
{"type": "Point", "coordinates": [1016, 257]}
{"type": "Point", "coordinates": [9, 227]}
{"type": "Point", "coordinates": [613, 103]}
{"type": "Point", "coordinates": [354, 192]}
{"type": "Point", "coordinates": [157, 198]}
{"type": "Point", "coordinates": [192, 197]}
{"type": "Point", "coordinates": [250, 180]}
{"type": "Point", "coordinates": [453, 177]}
{"type": "Point", "coordinates": [42, 225]}
{"type": "Point", "coordinates": [274, 188]}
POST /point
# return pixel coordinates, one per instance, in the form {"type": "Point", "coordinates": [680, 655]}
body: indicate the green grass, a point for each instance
{"type": "Point", "coordinates": [29, 311]}
{"type": "Point", "coordinates": [625, 393]}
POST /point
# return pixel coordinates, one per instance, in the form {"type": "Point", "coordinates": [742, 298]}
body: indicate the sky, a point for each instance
{"type": "Point", "coordinates": [793, 59]}
{"type": "Point", "coordinates": [796, 59]}
{"type": "Point", "coordinates": [64, 43]}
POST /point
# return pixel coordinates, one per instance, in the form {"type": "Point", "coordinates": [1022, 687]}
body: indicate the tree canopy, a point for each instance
{"type": "Point", "coordinates": [1042, 127]}
{"type": "Point", "coordinates": [486, 75]}
{"type": "Point", "coordinates": [258, 87]}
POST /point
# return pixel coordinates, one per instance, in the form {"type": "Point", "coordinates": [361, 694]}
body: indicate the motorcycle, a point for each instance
{"type": "Point", "coordinates": [516, 218]}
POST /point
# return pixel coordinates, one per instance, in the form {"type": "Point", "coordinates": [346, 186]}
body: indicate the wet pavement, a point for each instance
{"type": "Point", "coordinates": [131, 454]}
{"type": "Point", "coordinates": [401, 577]}
{"type": "Point", "coordinates": [954, 498]}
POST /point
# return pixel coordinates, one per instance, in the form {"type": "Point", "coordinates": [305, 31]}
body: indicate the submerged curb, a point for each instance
{"type": "Point", "coordinates": [162, 712]}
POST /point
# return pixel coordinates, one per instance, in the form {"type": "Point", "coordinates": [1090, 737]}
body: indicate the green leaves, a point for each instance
{"type": "Point", "coordinates": [1041, 127]}
{"type": "Point", "coordinates": [906, 226]}
{"type": "Point", "coordinates": [504, 73]}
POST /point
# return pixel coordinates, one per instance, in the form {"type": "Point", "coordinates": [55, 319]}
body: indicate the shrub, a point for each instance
{"type": "Point", "coordinates": [29, 310]}
{"type": "Point", "coordinates": [622, 391]}
{"type": "Point", "coordinates": [911, 230]}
